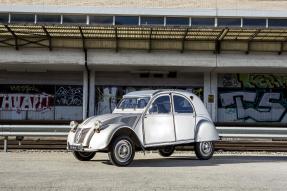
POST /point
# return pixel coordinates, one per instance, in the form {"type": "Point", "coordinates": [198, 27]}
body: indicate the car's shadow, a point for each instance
{"type": "Point", "coordinates": [185, 161]}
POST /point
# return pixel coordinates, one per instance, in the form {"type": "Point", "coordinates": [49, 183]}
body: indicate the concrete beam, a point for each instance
{"type": "Point", "coordinates": [72, 60]}
{"type": "Point", "coordinates": [41, 56]}
{"type": "Point", "coordinates": [254, 60]}
{"type": "Point", "coordinates": [142, 58]}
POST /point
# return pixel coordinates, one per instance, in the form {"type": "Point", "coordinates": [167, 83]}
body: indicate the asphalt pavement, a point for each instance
{"type": "Point", "coordinates": [58, 170]}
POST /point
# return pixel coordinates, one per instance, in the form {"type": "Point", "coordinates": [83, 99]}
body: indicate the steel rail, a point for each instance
{"type": "Point", "coordinates": [62, 131]}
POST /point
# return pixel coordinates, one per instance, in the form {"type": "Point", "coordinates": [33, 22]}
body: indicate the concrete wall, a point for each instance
{"type": "Point", "coordinates": [113, 72]}
{"type": "Point", "coordinates": [267, 8]}
{"type": "Point", "coordinates": [41, 96]}
{"type": "Point", "coordinates": [225, 4]}
{"type": "Point", "coordinates": [252, 98]}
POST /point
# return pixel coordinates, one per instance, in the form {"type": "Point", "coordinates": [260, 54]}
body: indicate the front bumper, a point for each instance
{"type": "Point", "coordinates": [80, 148]}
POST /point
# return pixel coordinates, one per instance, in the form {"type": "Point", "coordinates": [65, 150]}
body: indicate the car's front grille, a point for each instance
{"type": "Point", "coordinates": [80, 135]}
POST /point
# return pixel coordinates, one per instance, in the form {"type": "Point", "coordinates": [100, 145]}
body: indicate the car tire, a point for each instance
{"type": "Point", "coordinates": [166, 151]}
{"type": "Point", "coordinates": [84, 156]}
{"type": "Point", "coordinates": [122, 151]}
{"type": "Point", "coordinates": [204, 150]}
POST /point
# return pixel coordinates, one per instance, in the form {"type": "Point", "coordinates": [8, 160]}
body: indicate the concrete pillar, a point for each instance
{"type": "Point", "coordinates": [92, 94]}
{"type": "Point", "coordinates": [210, 94]}
{"type": "Point", "coordinates": [206, 90]}
{"type": "Point", "coordinates": [85, 94]}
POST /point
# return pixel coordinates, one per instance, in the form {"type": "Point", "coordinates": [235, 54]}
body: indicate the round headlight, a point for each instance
{"type": "Point", "coordinates": [74, 125]}
{"type": "Point", "coordinates": [97, 125]}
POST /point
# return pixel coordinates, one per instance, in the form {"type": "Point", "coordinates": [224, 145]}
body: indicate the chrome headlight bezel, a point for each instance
{"type": "Point", "coordinates": [74, 125]}
{"type": "Point", "coordinates": [97, 126]}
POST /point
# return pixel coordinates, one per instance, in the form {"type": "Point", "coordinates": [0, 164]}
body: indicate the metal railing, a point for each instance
{"type": "Point", "coordinates": [252, 132]}
{"type": "Point", "coordinates": [62, 131]}
{"type": "Point", "coordinates": [32, 131]}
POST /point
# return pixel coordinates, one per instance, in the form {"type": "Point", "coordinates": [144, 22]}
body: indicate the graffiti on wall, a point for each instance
{"type": "Point", "coordinates": [25, 102]}
{"type": "Point", "coordinates": [69, 95]}
{"type": "Point", "coordinates": [252, 98]}
{"type": "Point", "coordinates": [41, 99]}
{"type": "Point", "coordinates": [254, 80]}
{"type": "Point", "coordinates": [107, 97]}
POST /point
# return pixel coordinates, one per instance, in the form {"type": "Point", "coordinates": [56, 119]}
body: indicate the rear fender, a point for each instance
{"type": "Point", "coordinates": [205, 131]}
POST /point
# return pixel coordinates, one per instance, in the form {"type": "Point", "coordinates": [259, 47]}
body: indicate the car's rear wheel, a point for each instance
{"type": "Point", "coordinates": [204, 150]}
{"type": "Point", "coordinates": [84, 156]}
{"type": "Point", "coordinates": [122, 151]}
{"type": "Point", "coordinates": [166, 151]}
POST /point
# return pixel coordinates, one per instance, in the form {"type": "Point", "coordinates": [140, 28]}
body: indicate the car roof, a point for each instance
{"type": "Point", "coordinates": [141, 93]}
{"type": "Point", "coordinates": [149, 93]}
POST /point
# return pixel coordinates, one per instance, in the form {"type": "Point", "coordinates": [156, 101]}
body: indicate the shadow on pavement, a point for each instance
{"type": "Point", "coordinates": [179, 161]}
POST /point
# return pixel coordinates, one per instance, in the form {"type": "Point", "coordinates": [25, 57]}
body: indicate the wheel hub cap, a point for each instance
{"type": "Point", "coordinates": [206, 147]}
{"type": "Point", "coordinates": [123, 150]}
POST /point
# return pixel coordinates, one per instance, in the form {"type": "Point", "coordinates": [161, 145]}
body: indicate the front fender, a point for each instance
{"type": "Point", "coordinates": [101, 140]}
{"type": "Point", "coordinates": [205, 131]}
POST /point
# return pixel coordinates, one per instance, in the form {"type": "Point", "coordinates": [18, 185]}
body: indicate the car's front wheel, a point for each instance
{"type": "Point", "coordinates": [166, 151]}
{"type": "Point", "coordinates": [204, 150]}
{"type": "Point", "coordinates": [84, 156]}
{"type": "Point", "coordinates": [122, 151]}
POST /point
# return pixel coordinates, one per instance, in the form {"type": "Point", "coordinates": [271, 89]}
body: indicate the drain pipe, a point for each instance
{"type": "Point", "coordinates": [87, 70]}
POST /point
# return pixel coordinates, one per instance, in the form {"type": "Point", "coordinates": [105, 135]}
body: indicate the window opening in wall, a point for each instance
{"type": "Point", "coordinates": [234, 22]}
{"type": "Point", "coordinates": [202, 21]}
{"type": "Point", "coordinates": [101, 20]}
{"type": "Point", "coordinates": [22, 18]}
{"type": "Point", "coordinates": [177, 21]}
{"type": "Point", "coordinates": [76, 19]}
{"type": "Point", "coordinates": [277, 22]}
{"type": "Point", "coordinates": [127, 20]}
{"type": "Point", "coordinates": [152, 20]}
{"type": "Point", "coordinates": [54, 19]}
{"type": "Point", "coordinates": [4, 18]}
{"type": "Point", "coordinates": [251, 22]}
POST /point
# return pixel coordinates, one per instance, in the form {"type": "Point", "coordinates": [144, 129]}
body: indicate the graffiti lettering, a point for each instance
{"type": "Point", "coordinates": [23, 88]}
{"type": "Point", "coordinates": [25, 102]}
{"type": "Point", "coordinates": [254, 80]}
{"type": "Point", "coordinates": [69, 96]}
{"type": "Point", "coordinates": [267, 109]}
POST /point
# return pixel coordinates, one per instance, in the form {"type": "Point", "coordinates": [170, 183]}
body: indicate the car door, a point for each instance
{"type": "Point", "coordinates": [158, 121]}
{"type": "Point", "coordinates": [184, 118]}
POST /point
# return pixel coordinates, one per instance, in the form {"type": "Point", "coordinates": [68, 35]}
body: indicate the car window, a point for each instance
{"type": "Point", "coordinates": [182, 105]}
{"type": "Point", "coordinates": [160, 105]}
{"type": "Point", "coordinates": [133, 103]}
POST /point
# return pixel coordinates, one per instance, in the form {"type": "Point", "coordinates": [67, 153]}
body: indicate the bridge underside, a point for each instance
{"type": "Point", "coordinates": [213, 39]}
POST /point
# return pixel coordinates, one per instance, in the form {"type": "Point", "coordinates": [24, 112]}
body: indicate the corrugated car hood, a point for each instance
{"type": "Point", "coordinates": [127, 119]}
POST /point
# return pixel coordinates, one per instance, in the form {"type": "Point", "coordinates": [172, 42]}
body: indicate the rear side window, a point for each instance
{"type": "Point", "coordinates": [182, 105]}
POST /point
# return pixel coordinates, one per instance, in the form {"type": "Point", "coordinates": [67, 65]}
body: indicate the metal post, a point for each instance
{"type": "Point", "coordinates": [5, 144]}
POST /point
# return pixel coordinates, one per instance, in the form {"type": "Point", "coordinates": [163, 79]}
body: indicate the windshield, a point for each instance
{"type": "Point", "coordinates": [133, 103]}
